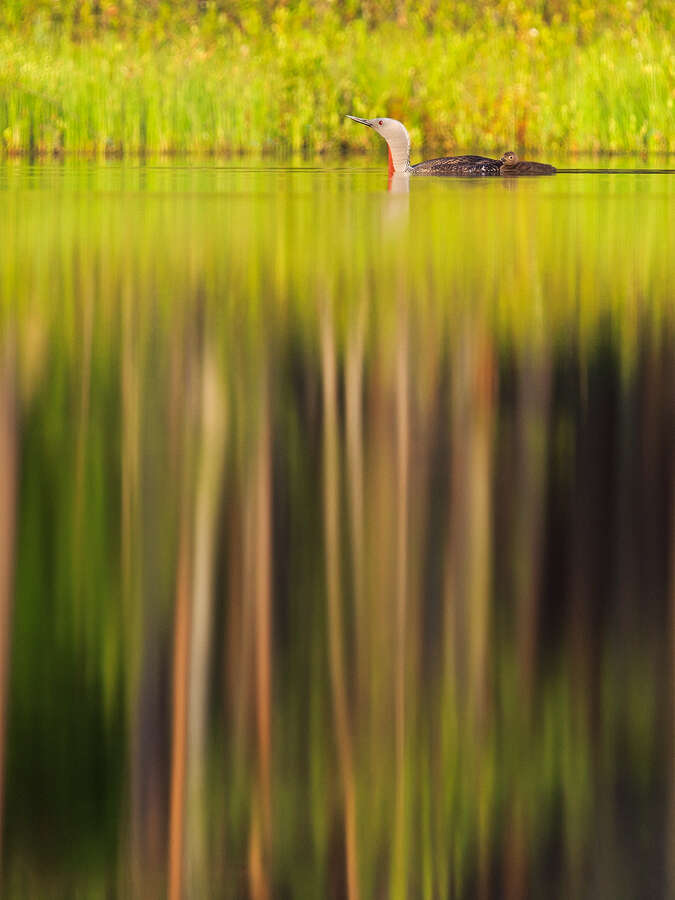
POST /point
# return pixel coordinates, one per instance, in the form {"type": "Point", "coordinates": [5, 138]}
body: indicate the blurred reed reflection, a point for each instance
{"type": "Point", "coordinates": [343, 554]}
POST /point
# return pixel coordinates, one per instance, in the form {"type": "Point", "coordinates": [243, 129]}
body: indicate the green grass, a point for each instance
{"type": "Point", "coordinates": [234, 80]}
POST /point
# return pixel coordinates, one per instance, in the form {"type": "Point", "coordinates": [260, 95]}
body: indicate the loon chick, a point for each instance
{"type": "Point", "coordinates": [398, 141]}
{"type": "Point", "coordinates": [511, 165]}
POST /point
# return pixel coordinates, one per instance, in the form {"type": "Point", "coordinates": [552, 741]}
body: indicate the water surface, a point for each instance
{"type": "Point", "coordinates": [337, 546]}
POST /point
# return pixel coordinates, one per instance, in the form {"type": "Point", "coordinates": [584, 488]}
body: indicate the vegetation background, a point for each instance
{"type": "Point", "coordinates": [226, 76]}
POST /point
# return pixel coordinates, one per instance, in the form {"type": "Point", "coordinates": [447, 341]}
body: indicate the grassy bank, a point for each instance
{"type": "Point", "coordinates": [280, 79]}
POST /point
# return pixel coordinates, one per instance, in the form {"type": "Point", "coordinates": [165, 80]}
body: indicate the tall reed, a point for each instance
{"type": "Point", "coordinates": [283, 82]}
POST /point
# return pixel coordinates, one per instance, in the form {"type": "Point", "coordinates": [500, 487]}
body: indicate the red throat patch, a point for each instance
{"type": "Point", "coordinates": [391, 162]}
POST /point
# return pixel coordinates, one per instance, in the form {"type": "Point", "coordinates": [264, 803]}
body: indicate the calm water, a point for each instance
{"type": "Point", "coordinates": [337, 534]}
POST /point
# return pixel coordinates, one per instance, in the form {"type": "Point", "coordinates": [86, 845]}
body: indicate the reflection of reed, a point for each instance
{"type": "Point", "coordinates": [129, 454]}
{"type": "Point", "coordinates": [180, 445]}
{"type": "Point", "coordinates": [181, 648]}
{"type": "Point", "coordinates": [210, 465]}
{"type": "Point", "coordinates": [670, 833]}
{"type": "Point", "coordinates": [83, 416]}
{"type": "Point", "coordinates": [9, 449]}
{"type": "Point", "coordinates": [331, 494]}
{"type": "Point", "coordinates": [468, 562]}
{"type": "Point", "coordinates": [261, 826]}
{"type": "Point", "coordinates": [525, 551]}
{"type": "Point", "coordinates": [468, 556]}
{"type": "Point", "coordinates": [241, 626]}
{"type": "Point", "coordinates": [354, 440]}
{"type": "Point", "coordinates": [532, 448]}
{"type": "Point", "coordinates": [399, 862]}
{"type": "Point", "coordinates": [131, 552]}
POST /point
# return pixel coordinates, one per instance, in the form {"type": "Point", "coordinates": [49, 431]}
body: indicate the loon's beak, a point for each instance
{"type": "Point", "coordinates": [367, 122]}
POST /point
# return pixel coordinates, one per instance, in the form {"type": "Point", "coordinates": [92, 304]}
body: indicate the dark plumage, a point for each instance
{"type": "Point", "coordinates": [511, 165]}
{"type": "Point", "coordinates": [458, 165]}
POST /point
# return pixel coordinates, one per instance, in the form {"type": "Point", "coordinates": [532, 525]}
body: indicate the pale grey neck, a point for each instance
{"type": "Point", "coordinates": [399, 144]}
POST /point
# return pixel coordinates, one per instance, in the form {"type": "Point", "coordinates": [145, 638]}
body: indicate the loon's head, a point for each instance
{"type": "Point", "coordinates": [397, 138]}
{"type": "Point", "coordinates": [509, 158]}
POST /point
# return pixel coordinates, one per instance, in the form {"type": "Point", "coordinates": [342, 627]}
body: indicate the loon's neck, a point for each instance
{"type": "Point", "coordinates": [399, 151]}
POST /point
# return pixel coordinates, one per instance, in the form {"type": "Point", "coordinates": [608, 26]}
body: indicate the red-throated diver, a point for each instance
{"type": "Point", "coordinates": [398, 141]}
{"type": "Point", "coordinates": [511, 165]}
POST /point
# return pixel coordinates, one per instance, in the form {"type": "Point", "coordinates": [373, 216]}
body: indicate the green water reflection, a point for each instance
{"type": "Point", "coordinates": [336, 534]}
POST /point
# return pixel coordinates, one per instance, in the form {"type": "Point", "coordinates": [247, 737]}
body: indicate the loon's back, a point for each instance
{"type": "Point", "coordinates": [458, 165]}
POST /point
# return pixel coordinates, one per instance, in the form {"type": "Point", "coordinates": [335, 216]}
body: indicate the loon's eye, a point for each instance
{"type": "Point", "coordinates": [381, 122]}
